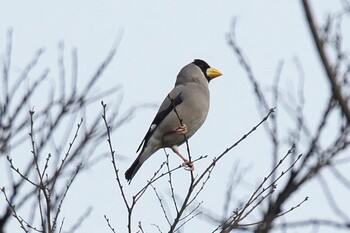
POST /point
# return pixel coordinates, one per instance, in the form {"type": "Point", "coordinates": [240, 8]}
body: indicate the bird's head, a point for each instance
{"type": "Point", "coordinates": [209, 72]}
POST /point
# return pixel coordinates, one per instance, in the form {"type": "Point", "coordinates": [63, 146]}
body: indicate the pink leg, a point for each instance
{"type": "Point", "coordinates": [186, 163]}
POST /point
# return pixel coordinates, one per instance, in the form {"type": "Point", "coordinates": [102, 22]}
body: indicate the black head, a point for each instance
{"type": "Point", "coordinates": [208, 72]}
{"type": "Point", "coordinates": [202, 65]}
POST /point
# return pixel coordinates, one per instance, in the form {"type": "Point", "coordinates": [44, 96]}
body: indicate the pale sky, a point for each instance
{"type": "Point", "coordinates": [158, 39]}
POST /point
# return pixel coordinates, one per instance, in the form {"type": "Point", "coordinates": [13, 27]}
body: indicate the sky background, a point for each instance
{"type": "Point", "coordinates": [156, 39]}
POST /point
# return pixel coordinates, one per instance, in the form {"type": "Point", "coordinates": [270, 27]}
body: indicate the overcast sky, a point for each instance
{"type": "Point", "coordinates": [156, 39]}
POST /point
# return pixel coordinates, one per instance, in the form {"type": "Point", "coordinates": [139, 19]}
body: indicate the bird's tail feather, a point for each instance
{"type": "Point", "coordinates": [130, 173]}
{"type": "Point", "coordinates": [143, 156]}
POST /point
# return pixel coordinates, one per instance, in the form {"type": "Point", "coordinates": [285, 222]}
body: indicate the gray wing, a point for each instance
{"type": "Point", "coordinates": [173, 99]}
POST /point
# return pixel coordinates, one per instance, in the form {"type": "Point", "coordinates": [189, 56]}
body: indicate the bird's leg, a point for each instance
{"type": "Point", "coordinates": [187, 164]}
{"type": "Point", "coordinates": [181, 129]}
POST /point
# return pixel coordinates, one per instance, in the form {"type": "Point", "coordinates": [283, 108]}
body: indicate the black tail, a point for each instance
{"type": "Point", "coordinates": [130, 173]}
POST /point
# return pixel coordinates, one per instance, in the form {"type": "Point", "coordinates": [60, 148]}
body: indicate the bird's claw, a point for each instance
{"type": "Point", "coordinates": [189, 166]}
{"type": "Point", "coordinates": [181, 129]}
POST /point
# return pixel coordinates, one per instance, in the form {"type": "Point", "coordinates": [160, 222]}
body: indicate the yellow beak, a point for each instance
{"type": "Point", "coordinates": [213, 73]}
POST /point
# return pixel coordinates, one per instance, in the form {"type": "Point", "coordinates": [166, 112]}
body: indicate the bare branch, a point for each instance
{"type": "Point", "coordinates": [330, 71]}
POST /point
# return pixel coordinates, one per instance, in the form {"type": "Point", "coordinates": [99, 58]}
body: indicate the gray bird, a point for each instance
{"type": "Point", "coordinates": [190, 99]}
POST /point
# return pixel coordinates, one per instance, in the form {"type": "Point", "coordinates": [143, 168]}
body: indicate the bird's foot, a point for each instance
{"type": "Point", "coordinates": [181, 129]}
{"type": "Point", "coordinates": [189, 166]}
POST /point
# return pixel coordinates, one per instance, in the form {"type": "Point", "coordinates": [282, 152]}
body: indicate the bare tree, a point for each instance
{"type": "Point", "coordinates": [317, 156]}
{"type": "Point", "coordinates": [188, 208]}
{"type": "Point", "coordinates": [298, 155]}
{"type": "Point", "coordinates": [306, 158]}
{"type": "Point", "coordinates": [63, 133]}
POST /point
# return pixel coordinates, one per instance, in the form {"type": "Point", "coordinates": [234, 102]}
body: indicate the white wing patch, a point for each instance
{"type": "Point", "coordinates": [152, 127]}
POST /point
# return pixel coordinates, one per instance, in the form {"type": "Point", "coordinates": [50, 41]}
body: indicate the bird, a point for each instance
{"type": "Point", "coordinates": [180, 115]}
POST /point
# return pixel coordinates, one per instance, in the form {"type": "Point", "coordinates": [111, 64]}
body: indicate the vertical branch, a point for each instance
{"type": "Point", "coordinates": [74, 72]}
{"type": "Point", "coordinates": [42, 185]}
{"type": "Point", "coordinates": [181, 123]}
{"type": "Point", "coordinates": [331, 73]}
{"type": "Point", "coordinates": [274, 130]}
{"type": "Point", "coordinates": [184, 205]}
{"type": "Point", "coordinates": [61, 71]}
{"type": "Point", "coordinates": [6, 68]}
{"type": "Point", "coordinates": [171, 183]}
{"type": "Point", "coordinates": [4, 105]}
{"type": "Point", "coordinates": [116, 170]}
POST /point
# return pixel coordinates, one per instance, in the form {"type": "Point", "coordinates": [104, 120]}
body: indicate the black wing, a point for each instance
{"type": "Point", "coordinates": [161, 115]}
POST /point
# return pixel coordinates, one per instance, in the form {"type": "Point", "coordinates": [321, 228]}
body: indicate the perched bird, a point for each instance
{"type": "Point", "coordinates": [182, 112]}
